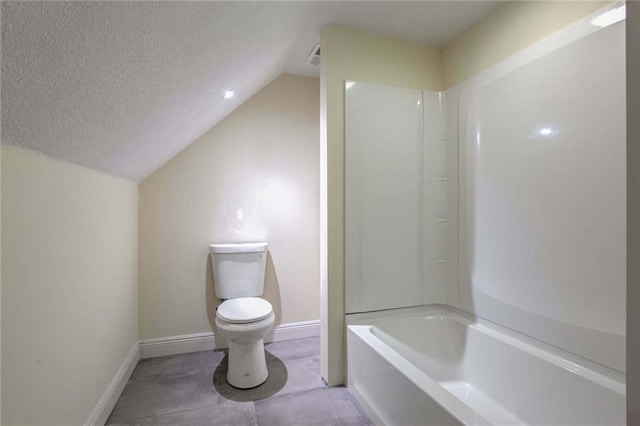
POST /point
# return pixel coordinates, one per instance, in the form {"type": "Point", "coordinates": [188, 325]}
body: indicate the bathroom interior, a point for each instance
{"type": "Point", "coordinates": [319, 213]}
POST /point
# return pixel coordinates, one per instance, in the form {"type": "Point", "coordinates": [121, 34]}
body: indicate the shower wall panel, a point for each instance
{"type": "Point", "coordinates": [399, 181]}
{"type": "Point", "coordinates": [383, 199]}
{"type": "Point", "coordinates": [543, 195]}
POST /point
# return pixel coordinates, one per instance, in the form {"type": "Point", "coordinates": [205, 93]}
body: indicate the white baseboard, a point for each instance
{"type": "Point", "coordinates": [108, 400]}
{"type": "Point", "coordinates": [185, 343]}
{"type": "Point", "coordinates": [151, 348]}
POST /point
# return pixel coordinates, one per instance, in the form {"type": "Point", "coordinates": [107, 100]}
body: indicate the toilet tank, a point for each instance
{"type": "Point", "coordinates": [238, 269]}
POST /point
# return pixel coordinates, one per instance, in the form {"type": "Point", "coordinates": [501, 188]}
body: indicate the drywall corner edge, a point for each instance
{"type": "Point", "coordinates": [358, 56]}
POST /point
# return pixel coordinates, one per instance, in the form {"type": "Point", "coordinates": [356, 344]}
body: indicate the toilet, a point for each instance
{"type": "Point", "coordinates": [242, 318]}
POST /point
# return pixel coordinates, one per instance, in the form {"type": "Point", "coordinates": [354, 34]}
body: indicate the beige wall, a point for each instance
{"type": "Point", "coordinates": [633, 213]}
{"type": "Point", "coordinates": [510, 28]}
{"type": "Point", "coordinates": [351, 55]}
{"type": "Point", "coordinates": [69, 293]}
{"type": "Point", "coordinates": [261, 160]}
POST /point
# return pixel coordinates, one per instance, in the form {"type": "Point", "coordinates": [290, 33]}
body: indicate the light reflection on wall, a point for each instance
{"type": "Point", "coordinates": [242, 190]}
{"type": "Point", "coordinates": [253, 201]}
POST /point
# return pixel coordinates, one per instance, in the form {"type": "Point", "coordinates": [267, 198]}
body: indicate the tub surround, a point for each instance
{"type": "Point", "coordinates": [540, 268]}
{"type": "Point", "coordinates": [542, 247]}
{"type": "Point", "coordinates": [541, 242]}
{"type": "Point", "coordinates": [350, 55]}
{"type": "Point", "coordinates": [400, 138]}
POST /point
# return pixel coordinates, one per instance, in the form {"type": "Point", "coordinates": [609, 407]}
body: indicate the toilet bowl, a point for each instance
{"type": "Point", "coordinates": [244, 322]}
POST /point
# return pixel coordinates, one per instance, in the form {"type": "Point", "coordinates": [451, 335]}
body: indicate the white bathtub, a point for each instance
{"type": "Point", "coordinates": [436, 365]}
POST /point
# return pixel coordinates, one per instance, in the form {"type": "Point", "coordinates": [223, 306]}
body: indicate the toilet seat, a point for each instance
{"type": "Point", "coordinates": [244, 310]}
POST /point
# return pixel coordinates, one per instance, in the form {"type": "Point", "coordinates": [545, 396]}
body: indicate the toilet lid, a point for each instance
{"type": "Point", "coordinates": [244, 309]}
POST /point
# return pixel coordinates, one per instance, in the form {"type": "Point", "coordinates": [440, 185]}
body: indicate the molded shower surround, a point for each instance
{"type": "Point", "coordinates": [503, 197]}
{"type": "Point", "coordinates": [542, 194]}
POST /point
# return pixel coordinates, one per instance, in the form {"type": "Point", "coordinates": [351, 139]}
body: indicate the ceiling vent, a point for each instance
{"type": "Point", "coordinates": [314, 55]}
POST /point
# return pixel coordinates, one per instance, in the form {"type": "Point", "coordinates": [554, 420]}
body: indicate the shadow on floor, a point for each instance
{"type": "Point", "coordinates": [275, 382]}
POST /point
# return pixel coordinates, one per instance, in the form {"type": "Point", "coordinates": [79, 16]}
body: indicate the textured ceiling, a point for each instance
{"type": "Point", "coordinates": [122, 87]}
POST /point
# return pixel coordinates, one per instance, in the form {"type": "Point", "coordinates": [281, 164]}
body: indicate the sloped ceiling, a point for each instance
{"type": "Point", "coordinates": [122, 87]}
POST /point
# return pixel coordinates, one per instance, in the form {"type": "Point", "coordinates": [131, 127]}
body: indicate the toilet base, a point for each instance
{"type": "Point", "coordinates": [247, 365]}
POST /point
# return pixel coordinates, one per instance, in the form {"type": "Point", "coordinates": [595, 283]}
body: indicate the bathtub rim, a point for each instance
{"type": "Point", "coordinates": [600, 374]}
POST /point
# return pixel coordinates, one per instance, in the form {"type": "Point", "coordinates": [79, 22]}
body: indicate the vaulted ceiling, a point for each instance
{"type": "Point", "coordinates": [122, 87]}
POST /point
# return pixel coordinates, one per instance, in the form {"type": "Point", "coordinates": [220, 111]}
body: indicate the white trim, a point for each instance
{"type": "Point", "coordinates": [294, 330]}
{"type": "Point", "coordinates": [108, 400]}
{"type": "Point", "coordinates": [186, 343]}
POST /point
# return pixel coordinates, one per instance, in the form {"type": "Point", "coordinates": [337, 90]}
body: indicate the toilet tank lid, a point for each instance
{"type": "Point", "coordinates": [238, 247]}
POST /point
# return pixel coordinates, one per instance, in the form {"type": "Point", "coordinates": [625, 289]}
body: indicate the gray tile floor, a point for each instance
{"type": "Point", "coordinates": [191, 389]}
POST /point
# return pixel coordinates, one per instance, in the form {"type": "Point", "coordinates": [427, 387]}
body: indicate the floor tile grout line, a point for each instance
{"type": "Point", "coordinates": [300, 392]}
{"type": "Point", "coordinates": [174, 376]}
{"type": "Point", "coordinates": [175, 412]}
